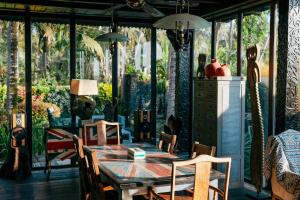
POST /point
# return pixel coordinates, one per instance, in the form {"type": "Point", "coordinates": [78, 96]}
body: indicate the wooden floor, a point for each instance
{"type": "Point", "coordinates": [63, 184]}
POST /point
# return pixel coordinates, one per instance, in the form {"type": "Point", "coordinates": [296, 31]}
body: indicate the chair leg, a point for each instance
{"type": "Point", "coordinates": [215, 195]}
{"type": "Point", "coordinates": [150, 194]}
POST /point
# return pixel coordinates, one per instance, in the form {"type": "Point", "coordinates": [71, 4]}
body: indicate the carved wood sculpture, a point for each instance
{"type": "Point", "coordinates": [257, 146]}
{"type": "Point", "coordinates": [17, 164]}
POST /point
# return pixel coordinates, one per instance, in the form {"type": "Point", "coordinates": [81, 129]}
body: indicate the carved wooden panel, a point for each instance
{"type": "Point", "coordinates": [288, 65]}
{"type": "Point", "coordinates": [183, 98]}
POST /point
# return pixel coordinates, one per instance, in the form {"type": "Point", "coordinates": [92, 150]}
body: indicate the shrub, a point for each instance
{"type": "Point", "coordinates": [104, 96]}
{"type": "Point", "coordinates": [4, 140]}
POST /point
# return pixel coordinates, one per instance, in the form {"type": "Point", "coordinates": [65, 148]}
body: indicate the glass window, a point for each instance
{"type": "Point", "coordinates": [94, 62]}
{"type": "Point", "coordinates": [202, 46]}
{"type": "Point", "coordinates": [50, 84]}
{"type": "Point", "coordinates": [134, 72]}
{"type": "Point", "coordinates": [12, 75]}
{"type": "Point", "coordinates": [165, 69]}
{"type": "Point", "coordinates": [226, 44]}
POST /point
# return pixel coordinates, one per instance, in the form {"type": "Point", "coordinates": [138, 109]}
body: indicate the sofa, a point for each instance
{"type": "Point", "coordinates": [282, 165]}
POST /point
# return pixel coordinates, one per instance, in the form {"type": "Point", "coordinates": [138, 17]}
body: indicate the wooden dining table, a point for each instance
{"type": "Point", "coordinates": [133, 177]}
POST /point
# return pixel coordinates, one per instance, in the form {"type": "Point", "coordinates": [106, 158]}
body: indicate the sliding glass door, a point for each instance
{"type": "Point", "coordinates": [12, 78]}
{"type": "Point", "coordinates": [50, 84]}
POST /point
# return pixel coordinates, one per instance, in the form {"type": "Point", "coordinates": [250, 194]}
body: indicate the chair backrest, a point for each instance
{"type": "Point", "coordinates": [83, 174]}
{"type": "Point", "coordinates": [93, 172]}
{"type": "Point", "coordinates": [167, 142]}
{"type": "Point", "coordinates": [92, 162]}
{"type": "Point", "coordinates": [78, 147]}
{"type": "Point", "coordinates": [200, 149]}
{"type": "Point", "coordinates": [202, 176]}
{"type": "Point", "coordinates": [102, 132]}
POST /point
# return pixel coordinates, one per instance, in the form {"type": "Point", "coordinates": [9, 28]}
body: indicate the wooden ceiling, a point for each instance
{"type": "Point", "coordinates": [102, 8]}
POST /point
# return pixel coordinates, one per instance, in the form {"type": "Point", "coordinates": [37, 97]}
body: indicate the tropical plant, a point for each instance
{"type": "Point", "coordinates": [104, 96]}
{"type": "Point", "coordinates": [12, 72]}
{"type": "Point", "coordinates": [4, 140]}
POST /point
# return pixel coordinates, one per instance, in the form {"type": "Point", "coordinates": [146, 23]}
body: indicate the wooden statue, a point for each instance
{"type": "Point", "coordinates": [201, 65]}
{"type": "Point", "coordinates": [257, 146]}
{"type": "Point", "coordinates": [17, 164]}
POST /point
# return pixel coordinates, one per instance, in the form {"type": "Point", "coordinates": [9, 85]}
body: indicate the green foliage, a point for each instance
{"type": "Point", "coordinates": [130, 69]}
{"type": "Point", "coordinates": [255, 28]}
{"type": "Point", "coordinates": [38, 124]}
{"type": "Point", "coordinates": [60, 97]}
{"type": "Point", "coordinates": [104, 96]}
{"type": "Point", "coordinates": [4, 139]}
{"type": "Point", "coordinates": [3, 112]}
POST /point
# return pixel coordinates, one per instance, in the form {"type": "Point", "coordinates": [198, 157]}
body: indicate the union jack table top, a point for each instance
{"type": "Point", "coordinates": [156, 169]}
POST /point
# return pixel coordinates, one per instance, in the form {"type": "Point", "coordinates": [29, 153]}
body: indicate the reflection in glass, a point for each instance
{"type": "Point", "coordinates": [226, 44]}
{"type": "Point", "coordinates": [134, 74]}
{"type": "Point", "coordinates": [202, 46]}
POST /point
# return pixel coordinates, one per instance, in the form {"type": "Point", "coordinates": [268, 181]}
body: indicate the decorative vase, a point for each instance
{"type": "Point", "coordinates": [201, 66]}
{"type": "Point", "coordinates": [223, 71]}
{"type": "Point", "coordinates": [210, 70]}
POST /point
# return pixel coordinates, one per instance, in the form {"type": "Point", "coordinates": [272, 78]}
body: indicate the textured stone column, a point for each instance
{"type": "Point", "coordinates": [182, 92]}
{"type": "Point", "coordinates": [287, 115]}
{"type": "Point", "coordinates": [182, 100]}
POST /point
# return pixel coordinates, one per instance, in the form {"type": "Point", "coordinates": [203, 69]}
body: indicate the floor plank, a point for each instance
{"type": "Point", "coordinates": [63, 184]}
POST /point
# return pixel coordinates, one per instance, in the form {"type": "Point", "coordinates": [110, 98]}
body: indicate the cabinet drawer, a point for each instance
{"type": "Point", "coordinates": [211, 108]}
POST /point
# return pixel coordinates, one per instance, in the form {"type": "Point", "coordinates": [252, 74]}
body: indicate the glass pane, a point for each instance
{"type": "Point", "coordinates": [165, 69]}
{"type": "Point", "coordinates": [202, 46]}
{"type": "Point", "coordinates": [134, 74]}
{"type": "Point", "coordinates": [94, 62]}
{"type": "Point", "coordinates": [226, 44]}
{"type": "Point", "coordinates": [12, 75]}
{"type": "Point", "coordinates": [50, 84]}
{"type": "Point", "coordinates": [256, 32]}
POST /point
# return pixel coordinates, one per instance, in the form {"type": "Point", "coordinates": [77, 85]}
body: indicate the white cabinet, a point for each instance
{"type": "Point", "coordinates": [218, 120]}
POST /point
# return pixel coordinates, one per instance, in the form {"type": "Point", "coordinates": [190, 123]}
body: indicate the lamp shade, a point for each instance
{"type": "Point", "coordinates": [112, 36]}
{"type": "Point", "coordinates": [84, 87]}
{"type": "Point", "coordinates": [186, 20]}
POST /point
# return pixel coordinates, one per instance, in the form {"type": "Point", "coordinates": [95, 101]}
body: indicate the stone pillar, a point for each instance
{"type": "Point", "coordinates": [288, 65]}
{"type": "Point", "coordinates": [182, 92]}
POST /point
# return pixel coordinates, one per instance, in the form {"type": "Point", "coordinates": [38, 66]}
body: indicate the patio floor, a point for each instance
{"type": "Point", "coordinates": [63, 184]}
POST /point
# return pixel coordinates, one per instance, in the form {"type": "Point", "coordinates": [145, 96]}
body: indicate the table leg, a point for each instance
{"type": "Point", "coordinates": [124, 195]}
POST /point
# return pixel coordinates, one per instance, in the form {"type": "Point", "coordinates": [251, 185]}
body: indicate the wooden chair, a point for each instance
{"type": "Point", "coordinates": [101, 128]}
{"type": "Point", "coordinates": [201, 182]}
{"type": "Point", "coordinates": [167, 142]}
{"type": "Point", "coordinates": [200, 149]}
{"type": "Point", "coordinates": [97, 188]}
{"type": "Point", "coordinates": [84, 185]}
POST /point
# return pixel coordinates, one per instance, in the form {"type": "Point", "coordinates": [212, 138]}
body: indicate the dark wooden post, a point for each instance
{"type": "Point", "coordinates": [272, 69]}
{"type": "Point", "coordinates": [153, 85]}
{"type": "Point", "coordinates": [28, 83]}
{"type": "Point", "coordinates": [239, 43]}
{"type": "Point", "coordinates": [213, 39]}
{"type": "Point", "coordinates": [72, 65]}
{"type": "Point", "coordinates": [115, 75]}
{"type": "Point", "coordinates": [288, 62]}
{"type": "Point", "coordinates": [192, 49]}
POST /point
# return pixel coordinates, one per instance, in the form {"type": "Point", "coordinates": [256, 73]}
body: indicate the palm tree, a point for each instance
{"type": "Point", "coordinates": [12, 71]}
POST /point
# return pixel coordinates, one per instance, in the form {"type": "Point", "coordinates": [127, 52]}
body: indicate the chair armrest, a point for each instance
{"type": "Point", "coordinates": [292, 179]}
